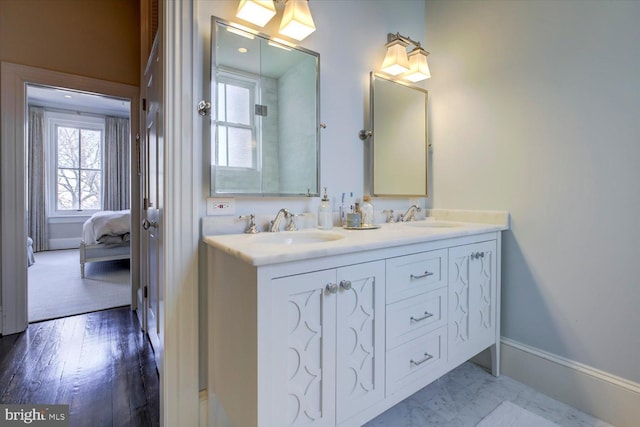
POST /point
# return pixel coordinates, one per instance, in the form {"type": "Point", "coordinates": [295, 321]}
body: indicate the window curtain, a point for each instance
{"type": "Point", "coordinates": [37, 208]}
{"type": "Point", "coordinates": [116, 163]}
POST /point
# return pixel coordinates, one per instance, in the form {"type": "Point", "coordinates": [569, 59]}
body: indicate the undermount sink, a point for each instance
{"type": "Point", "coordinates": [433, 224]}
{"type": "Point", "coordinates": [297, 237]}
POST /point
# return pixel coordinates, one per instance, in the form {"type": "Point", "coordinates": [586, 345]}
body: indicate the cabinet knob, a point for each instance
{"type": "Point", "coordinates": [345, 284]}
{"type": "Point", "coordinates": [332, 288]}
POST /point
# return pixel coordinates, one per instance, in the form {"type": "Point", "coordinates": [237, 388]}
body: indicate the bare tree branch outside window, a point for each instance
{"type": "Point", "coordinates": [79, 168]}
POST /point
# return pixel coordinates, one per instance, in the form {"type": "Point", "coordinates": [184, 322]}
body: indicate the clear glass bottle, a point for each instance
{"type": "Point", "coordinates": [367, 212]}
{"type": "Point", "coordinates": [325, 215]}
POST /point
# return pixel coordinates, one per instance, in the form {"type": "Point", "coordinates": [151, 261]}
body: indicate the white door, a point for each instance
{"type": "Point", "coordinates": [153, 152]}
{"type": "Point", "coordinates": [303, 374]}
{"type": "Point", "coordinates": [360, 338]}
{"type": "Point", "coordinates": [472, 299]}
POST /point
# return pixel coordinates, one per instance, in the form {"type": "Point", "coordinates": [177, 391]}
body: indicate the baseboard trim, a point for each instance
{"type": "Point", "coordinates": [606, 396]}
{"type": "Point", "coordinates": [65, 243]}
{"type": "Point", "coordinates": [204, 412]}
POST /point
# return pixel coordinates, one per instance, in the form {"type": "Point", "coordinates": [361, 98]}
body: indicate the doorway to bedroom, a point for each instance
{"type": "Point", "coordinates": [78, 200]}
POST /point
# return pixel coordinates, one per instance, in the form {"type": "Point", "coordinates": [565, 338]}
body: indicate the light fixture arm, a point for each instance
{"type": "Point", "coordinates": [408, 40]}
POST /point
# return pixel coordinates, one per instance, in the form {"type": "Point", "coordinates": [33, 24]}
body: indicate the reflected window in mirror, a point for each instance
{"type": "Point", "coordinates": [237, 134]}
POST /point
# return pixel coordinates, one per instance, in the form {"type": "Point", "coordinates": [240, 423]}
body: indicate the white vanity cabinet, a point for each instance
{"type": "Point", "coordinates": [416, 319]}
{"type": "Point", "coordinates": [335, 339]}
{"type": "Point", "coordinates": [329, 351]}
{"type": "Point", "coordinates": [472, 300]}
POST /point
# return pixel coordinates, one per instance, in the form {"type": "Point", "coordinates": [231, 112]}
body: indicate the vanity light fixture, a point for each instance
{"type": "Point", "coordinates": [418, 67]}
{"type": "Point", "coordinates": [397, 62]}
{"type": "Point", "coordinates": [257, 12]}
{"type": "Point", "coordinates": [297, 22]}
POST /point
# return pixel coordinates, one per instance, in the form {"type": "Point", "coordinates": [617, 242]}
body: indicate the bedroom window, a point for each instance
{"type": "Point", "coordinates": [237, 136]}
{"type": "Point", "coordinates": [75, 180]}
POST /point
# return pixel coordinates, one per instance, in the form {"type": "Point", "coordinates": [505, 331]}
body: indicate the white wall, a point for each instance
{"type": "Point", "coordinates": [350, 39]}
{"type": "Point", "coordinates": [534, 110]}
{"type": "Point", "coordinates": [65, 233]}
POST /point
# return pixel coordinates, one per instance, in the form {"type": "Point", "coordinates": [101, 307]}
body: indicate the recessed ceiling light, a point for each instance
{"type": "Point", "coordinates": [242, 50]}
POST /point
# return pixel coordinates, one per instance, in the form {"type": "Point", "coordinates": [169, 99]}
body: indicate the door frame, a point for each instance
{"type": "Point", "coordinates": [183, 200]}
{"type": "Point", "coordinates": [13, 230]}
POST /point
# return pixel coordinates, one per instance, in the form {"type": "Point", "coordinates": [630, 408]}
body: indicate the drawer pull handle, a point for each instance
{"type": "Point", "coordinates": [477, 255]}
{"type": "Point", "coordinates": [420, 319]}
{"type": "Point", "coordinates": [345, 284]}
{"type": "Point", "coordinates": [332, 288]}
{"type": "Point", "coordinates": [426, 274]}
{"type": "Point", "coordinates": [427, 356]}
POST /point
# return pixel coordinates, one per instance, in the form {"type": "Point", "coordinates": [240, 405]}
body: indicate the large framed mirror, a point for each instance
{"type": "Point", "coordinates": [399, 138]}
{"type": "Point", "coordinates": [264, 115]}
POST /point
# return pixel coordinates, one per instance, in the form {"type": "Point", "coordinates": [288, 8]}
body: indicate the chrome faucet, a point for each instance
{"type": "Point", "coordinates": [409, 215]}
{"type": "Point", "coordinates": [275, 223]}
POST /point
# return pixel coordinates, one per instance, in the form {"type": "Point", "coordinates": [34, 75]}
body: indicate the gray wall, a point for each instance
{"type": "Point", "coordinates": [534, 110]}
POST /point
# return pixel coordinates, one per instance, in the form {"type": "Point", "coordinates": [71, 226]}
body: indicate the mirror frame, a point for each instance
{"type": "Point", "coordinates": [211, 84]}
{"type": "Point", "coordinates": [377, 76]}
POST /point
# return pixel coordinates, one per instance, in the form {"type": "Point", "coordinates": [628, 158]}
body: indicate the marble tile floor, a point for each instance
{"type": "Point", "coordinates": [467, 394]}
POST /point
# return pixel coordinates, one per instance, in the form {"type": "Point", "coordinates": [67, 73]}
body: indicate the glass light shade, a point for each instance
{"type": "Point", "coordinates": [297, 21]}
{"type": "Point", "coordinates": [396, 61]}
{"type": "Point", "coordinates": [257, 12]}
{"type": "Point", "coordinates": [418, 67]}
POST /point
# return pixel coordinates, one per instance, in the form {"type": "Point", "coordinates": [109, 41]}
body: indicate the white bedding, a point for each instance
{"type": "Point", "coordinates": [109, 227]}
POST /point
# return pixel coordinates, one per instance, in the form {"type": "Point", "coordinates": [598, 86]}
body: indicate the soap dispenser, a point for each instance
{"type": "Point", "coordinates": [325, 215]}
{"type": "Point", "coordinates": [367, 212]}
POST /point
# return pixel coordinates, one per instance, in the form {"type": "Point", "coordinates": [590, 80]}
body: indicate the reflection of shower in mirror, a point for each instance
{"type": "Point", "coordinates": [264, 113]}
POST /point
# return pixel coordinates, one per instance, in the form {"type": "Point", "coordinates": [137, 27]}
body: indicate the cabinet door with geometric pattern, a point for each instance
{"type": "Point", "coordinates": [360, 346]}
{"type": "Point", "coordinates": [472, 300]}
{"type": "Point", "coordinates": [303, 340]}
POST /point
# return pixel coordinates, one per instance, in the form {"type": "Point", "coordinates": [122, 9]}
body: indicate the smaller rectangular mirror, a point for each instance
{"type": "Point", "coordinates": [399, 138]}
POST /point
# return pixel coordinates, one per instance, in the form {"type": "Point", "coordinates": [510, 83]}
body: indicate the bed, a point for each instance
{"type": "Point", "coordinates": [105, 237]}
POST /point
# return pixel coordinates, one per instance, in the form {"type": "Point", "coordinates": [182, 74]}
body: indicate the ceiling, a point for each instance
{"type": "Point", "coordinates": [65, 99]}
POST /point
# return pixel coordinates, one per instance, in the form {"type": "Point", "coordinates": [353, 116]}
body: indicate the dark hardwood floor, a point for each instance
{"type": "Point", "coordinates": [101, 364]}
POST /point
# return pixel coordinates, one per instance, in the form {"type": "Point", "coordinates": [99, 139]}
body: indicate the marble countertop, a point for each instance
{"type": "Point", "coordinates": [257, 250]}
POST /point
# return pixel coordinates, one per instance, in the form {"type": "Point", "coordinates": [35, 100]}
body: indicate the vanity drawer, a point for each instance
{"type": "Point", "coordinates": [412, 275]}
{"type": "Point", "coordinates": [416, 360]}
{"type": "Point", "coordinates": [410, 318]}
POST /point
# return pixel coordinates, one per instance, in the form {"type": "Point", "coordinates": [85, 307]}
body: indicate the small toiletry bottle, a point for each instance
{"type": "Point", "coordinates": [344, 209]}
{"type": "Point", "coordinates": [367, 211]}
{"type": "Point", "coordinates": [325, 220]}
{"type": "Point", "coordinates": [358, 211]}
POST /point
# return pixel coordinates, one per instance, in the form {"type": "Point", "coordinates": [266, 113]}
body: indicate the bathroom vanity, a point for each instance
{"type": "Point", "coordinates": [332, 328]}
